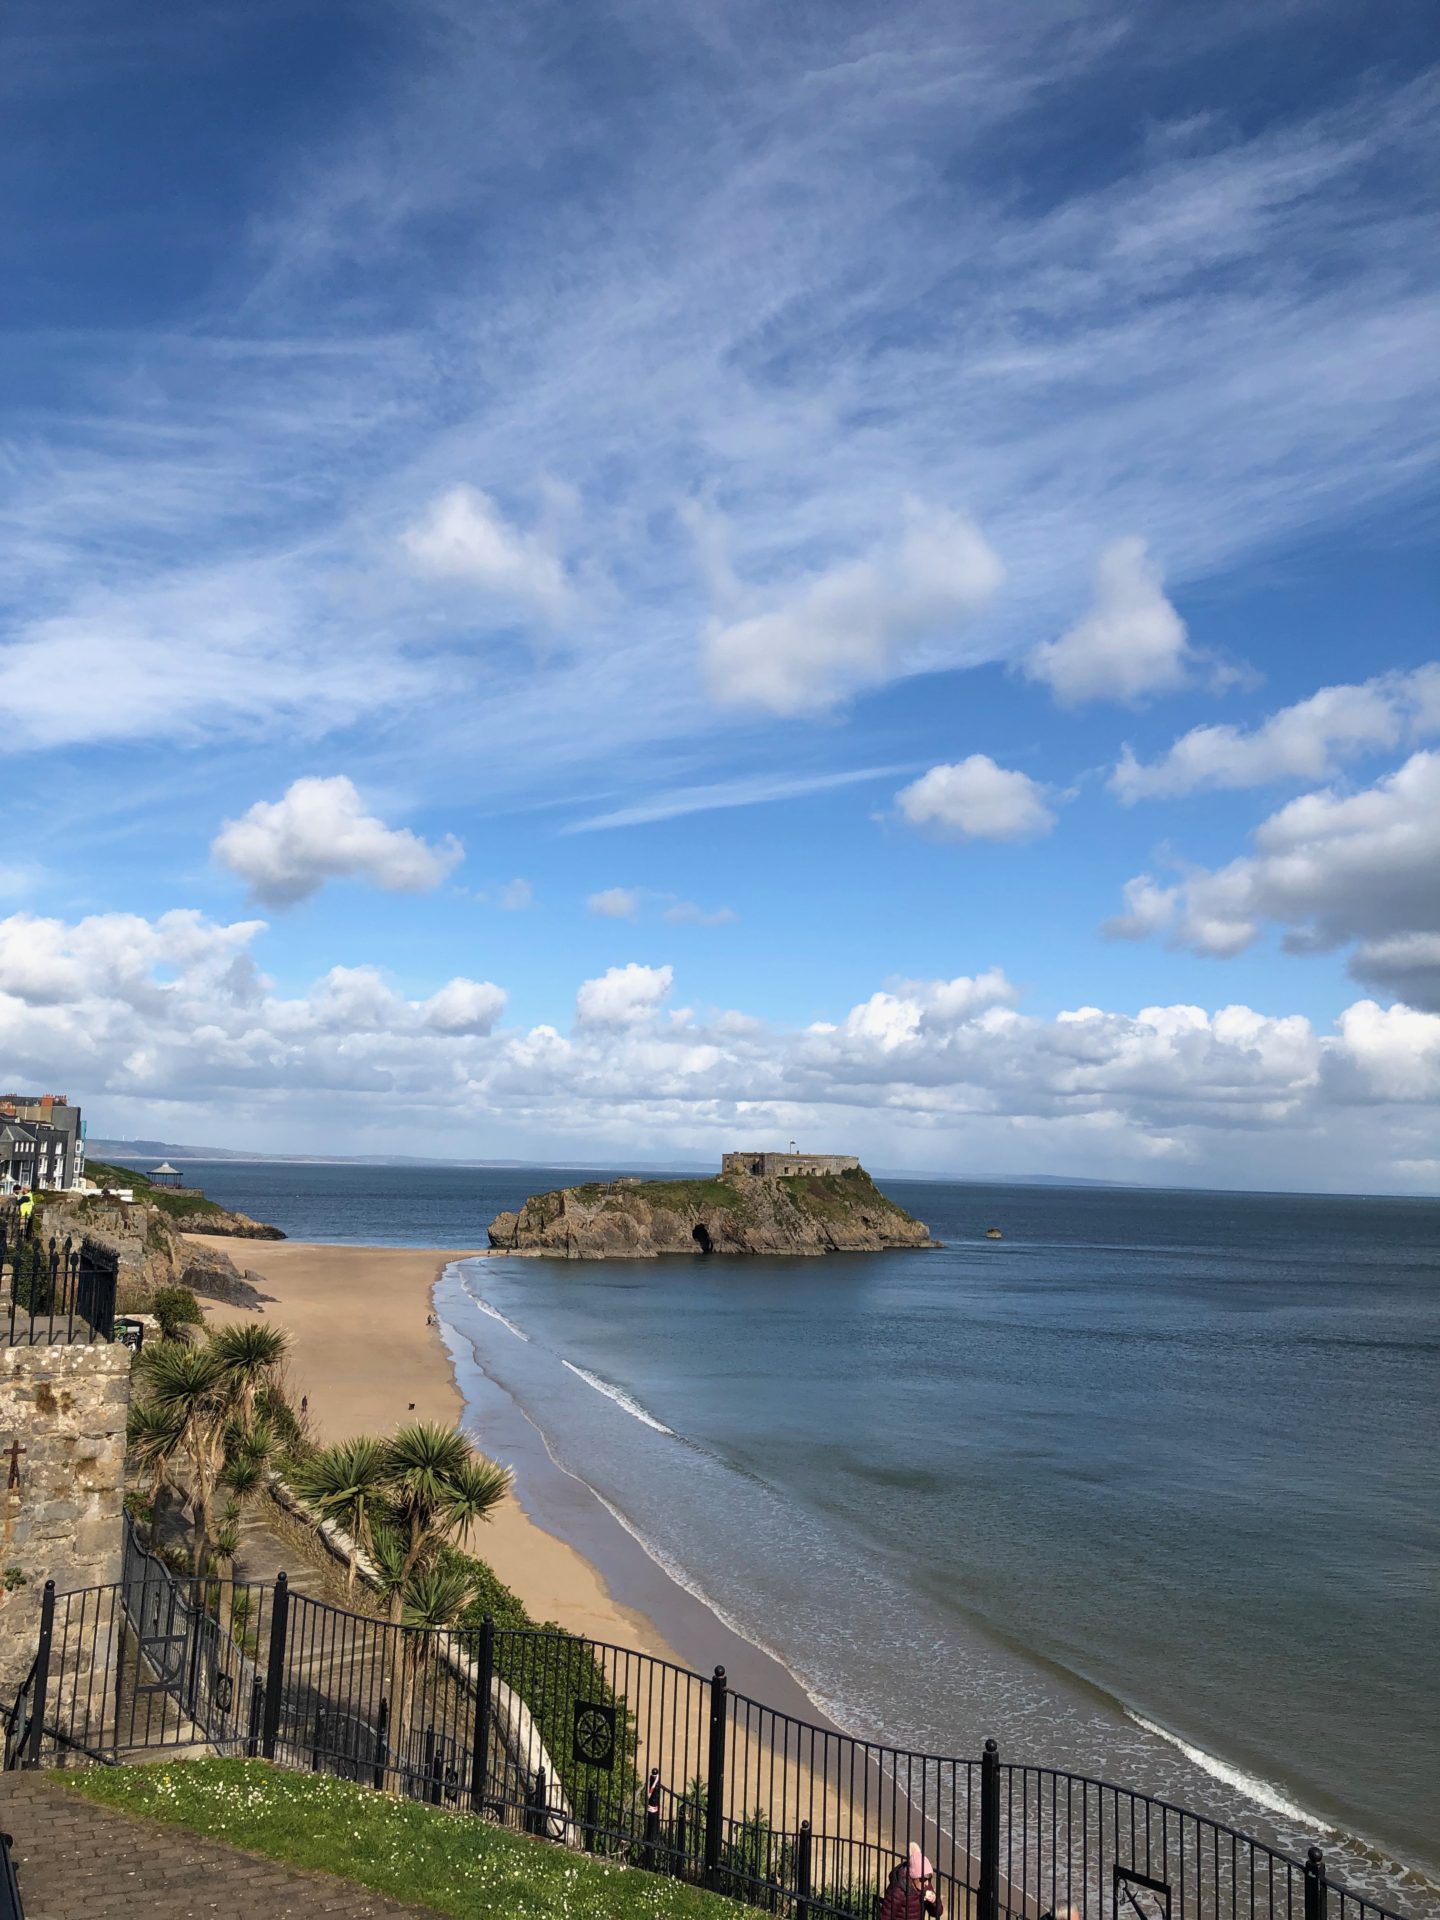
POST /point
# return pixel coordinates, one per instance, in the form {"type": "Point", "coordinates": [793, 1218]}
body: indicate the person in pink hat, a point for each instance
{"type": "Point", "coordinates": [911, 1893]}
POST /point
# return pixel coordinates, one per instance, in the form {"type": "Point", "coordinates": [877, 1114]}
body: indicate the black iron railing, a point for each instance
{"type": "Point", "coordinates": [10, 1907]}
{"type": "Point", "coordinates": [600, 1748]}
{"type": "Point", "coordinates": [58, 1292]}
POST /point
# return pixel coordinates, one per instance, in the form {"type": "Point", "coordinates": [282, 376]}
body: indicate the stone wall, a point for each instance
{"type": "Point", "coordinates": [61, 1494]}
{"type": "Point", "coordinates": [774, 1166]}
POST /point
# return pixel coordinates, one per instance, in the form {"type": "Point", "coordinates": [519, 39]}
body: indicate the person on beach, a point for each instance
{"type": "Point", "coordinates": [911, 1892]}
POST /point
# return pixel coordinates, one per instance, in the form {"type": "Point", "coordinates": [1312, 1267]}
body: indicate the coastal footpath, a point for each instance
{"type": "Point", "coordinates": [804, 1213]}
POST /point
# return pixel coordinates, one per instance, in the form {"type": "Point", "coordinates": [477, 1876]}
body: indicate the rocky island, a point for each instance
{"type": "Point", "coordinates": [760, 1203]}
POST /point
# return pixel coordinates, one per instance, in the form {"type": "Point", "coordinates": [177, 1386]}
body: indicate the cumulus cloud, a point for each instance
{"type": "Point", "coordinates": [1330, 868]}
{"type": "Point", "coordinates": [1131, 643]}
{"type": "Point", "coordinates": [976, 800]}
{"type": "Point", "coordinates": [286, 849]}
{"type": "Point", "coordinates": [517, 895]}
{"type": "Point", "coordinates": [170, 1022]}
{"type": "Point", "coordinates": [1310, 740]}
{"type": "Point", "coordinates": [622, 996]}
{"type": "Point", "coordinates": [614, 903]}
{"type": "Point", "coordinates": [464, 1006]}
{"type": "Point", "coordinates": [856, 625]}
{"type": "Point", "coordinates": [463, 537]}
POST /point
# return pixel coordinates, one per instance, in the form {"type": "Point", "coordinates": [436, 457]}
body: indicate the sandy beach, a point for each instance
{"type": "Point", "coordinates": [366, 1360]}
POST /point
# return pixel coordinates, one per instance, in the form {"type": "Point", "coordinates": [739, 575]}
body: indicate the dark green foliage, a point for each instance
{"type": "Point", "coordinates": [838, 1195]}
{"type": "Point", "coordinates": [176, 1308]}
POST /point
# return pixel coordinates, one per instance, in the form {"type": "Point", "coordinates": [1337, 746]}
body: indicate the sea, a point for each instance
{"type": "Point", "coordinates": [1147, 1487]}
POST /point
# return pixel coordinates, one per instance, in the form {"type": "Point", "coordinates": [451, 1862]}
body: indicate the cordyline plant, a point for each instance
{"type": "Point", "coordinates": [197, 1405]}
{"type": "Point", "coordinates": [401, 1500]}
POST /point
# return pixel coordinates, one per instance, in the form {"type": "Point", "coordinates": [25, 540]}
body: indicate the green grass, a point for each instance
{"type": "Point", "coordinates": [838, 1195]}
{"type": "Point", "coordinates": [452, 1863]}
{"type": "Point", "coordinates": [682, 1195]}
{"type": "Point", "coordinates": [177, 1206]}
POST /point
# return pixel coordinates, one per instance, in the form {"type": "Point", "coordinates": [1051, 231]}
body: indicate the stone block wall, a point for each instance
{"type": "Point", "coordinates": [61, 1494]}
{"type": "Point", "coordinates": [774, 1166]}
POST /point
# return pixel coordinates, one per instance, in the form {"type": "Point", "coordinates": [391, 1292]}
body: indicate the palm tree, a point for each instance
{"type": "Point", "coordinates": [207, 1395]}
{"type": "Point", "coordinates": [438, 1485]}
{"type": "Point", "coordinates": [346, 1482]}
{"type": "Point", "coordinates": [187, 1390]}
{"type": "Point", "coordinates": [154, 1438]}
{"type": "Point", "coordinates": [433, 1599]}
{"type": "Point", "coordinates": [249, 1355]}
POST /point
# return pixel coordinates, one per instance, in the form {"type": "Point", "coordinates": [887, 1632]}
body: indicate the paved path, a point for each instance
{"type": "Point", "coordinates": [79, 1861]}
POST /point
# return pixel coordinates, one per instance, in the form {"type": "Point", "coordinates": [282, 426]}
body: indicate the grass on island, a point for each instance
{"type": "Point", "coordinates": [176, 1206]}
{"type": "Point", "coordinates": [678, 1196]}
{"type": "Point", "coordinates": [452, 1863]}
{"type": "Point", "coordinates": [840, 1195]}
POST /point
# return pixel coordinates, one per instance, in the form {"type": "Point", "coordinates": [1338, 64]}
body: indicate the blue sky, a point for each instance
{"type": "Point", "coordinates": [609, 579]}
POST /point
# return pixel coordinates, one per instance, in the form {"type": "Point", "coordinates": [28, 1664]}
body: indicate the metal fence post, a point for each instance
{"type": "Point", "coordinates": [802, 1873]}
{"type": "Point", "coordinates": [715, 1784]}
{"type": "Point", "coordinates": [1315, 1888]}
{"type": "Point", "coordinates": [480, 1733]}
{"type": "Point", "coordinates": [591, 1820]}
{"type": "Point", "coordinates": [988, 1904]}
{"type": "Point", "coordinates": [275, 1666]}
{"type": "Point", "coordinates": [257, 1714]}
{"type": "Point", "coordinates": [382, 1737]}
{"type": "Point", "coordinates": [42, 1673]}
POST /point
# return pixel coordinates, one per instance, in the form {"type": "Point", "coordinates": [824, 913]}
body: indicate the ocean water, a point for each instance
{"type": "Point", "coordinates": [1148, 1488]}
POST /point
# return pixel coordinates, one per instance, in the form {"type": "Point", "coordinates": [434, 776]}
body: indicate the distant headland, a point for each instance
{"type": "Point", "coordinates": [776, 1203]}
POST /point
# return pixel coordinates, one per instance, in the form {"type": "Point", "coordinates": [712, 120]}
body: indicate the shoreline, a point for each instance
{"type": "Point", "coordinates": [366, 1359]}
{"type": "Point", "coordinates": [363, 1351]}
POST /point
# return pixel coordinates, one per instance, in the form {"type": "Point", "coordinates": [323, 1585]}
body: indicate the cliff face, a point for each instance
{"type": "Point", "coordinates": [805, 1214]}
{"type": "Point", "coordinates": [153, 1252]}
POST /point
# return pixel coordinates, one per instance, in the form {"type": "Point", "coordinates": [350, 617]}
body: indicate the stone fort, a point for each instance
{"type": "Point", "coordinates": [773, 1166]}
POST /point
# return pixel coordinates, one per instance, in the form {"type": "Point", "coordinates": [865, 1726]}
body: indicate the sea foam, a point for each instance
{"type": "Point", "coordinates": [1261, 1791]}
{"type": "Point", "coordinates": [496, 1314]}
{"type": "Point", "coordinates": [620, 1397]}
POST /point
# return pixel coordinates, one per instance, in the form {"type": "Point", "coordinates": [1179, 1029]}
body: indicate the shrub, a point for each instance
{"type": "Point", "coordinates": [177, 1309]}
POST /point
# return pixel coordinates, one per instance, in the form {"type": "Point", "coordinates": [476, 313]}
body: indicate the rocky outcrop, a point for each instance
{"type": "Point", "coordinates": [152, 1251]}
{"type": "Point", "coordinates": [740, 1213]}
{"type": "Point", "coordinates": [232, 1226]}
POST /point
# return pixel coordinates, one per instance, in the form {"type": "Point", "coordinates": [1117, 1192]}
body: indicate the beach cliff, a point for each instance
{"type": "Point", "coordinates": [736, 1213]}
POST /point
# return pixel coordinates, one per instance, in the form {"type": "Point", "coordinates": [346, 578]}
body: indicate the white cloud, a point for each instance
{"type": "Point", "coordinates": [857, 624]}
{"type": "Point", "coordinates": [1392, 1052]}
{"type": "Point", "coordinates": [462, 536]}
{"type": "Point", "coordinates": [169, 1026]}
{"type": "Point", "coordinates": [614, 903]}
{"type": "Point", "coordinates": [1131, 643]}
{"type": "Point", "coordinates": [976, 800]}
{"type": "Point", "coordinates": [1308, 741]}
{"type": "Point", "coordinates": [622, 996]}
{"type": "Point", "coordinates": [685, 913]}
{"type": "Point", "coordinates": [1332, 869]}
{"type": "Point", "coordinates": [465, 1006]}
{"type": "Point", "coordinates": [286, 849]}
{"type": "Point", "coordinates": [517, 895]}
{"type": "Point", "coordinates": [1149, 908]}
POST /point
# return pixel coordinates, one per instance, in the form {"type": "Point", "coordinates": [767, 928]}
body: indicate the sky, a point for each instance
{"type": "Point", "coordinates": [605, 581]}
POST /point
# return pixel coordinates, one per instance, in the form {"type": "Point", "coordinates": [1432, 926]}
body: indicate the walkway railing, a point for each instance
{"type": "Point", "coordinates": [58, 1293]}
{"type": "Point", "coordinates": [630, 1757]}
